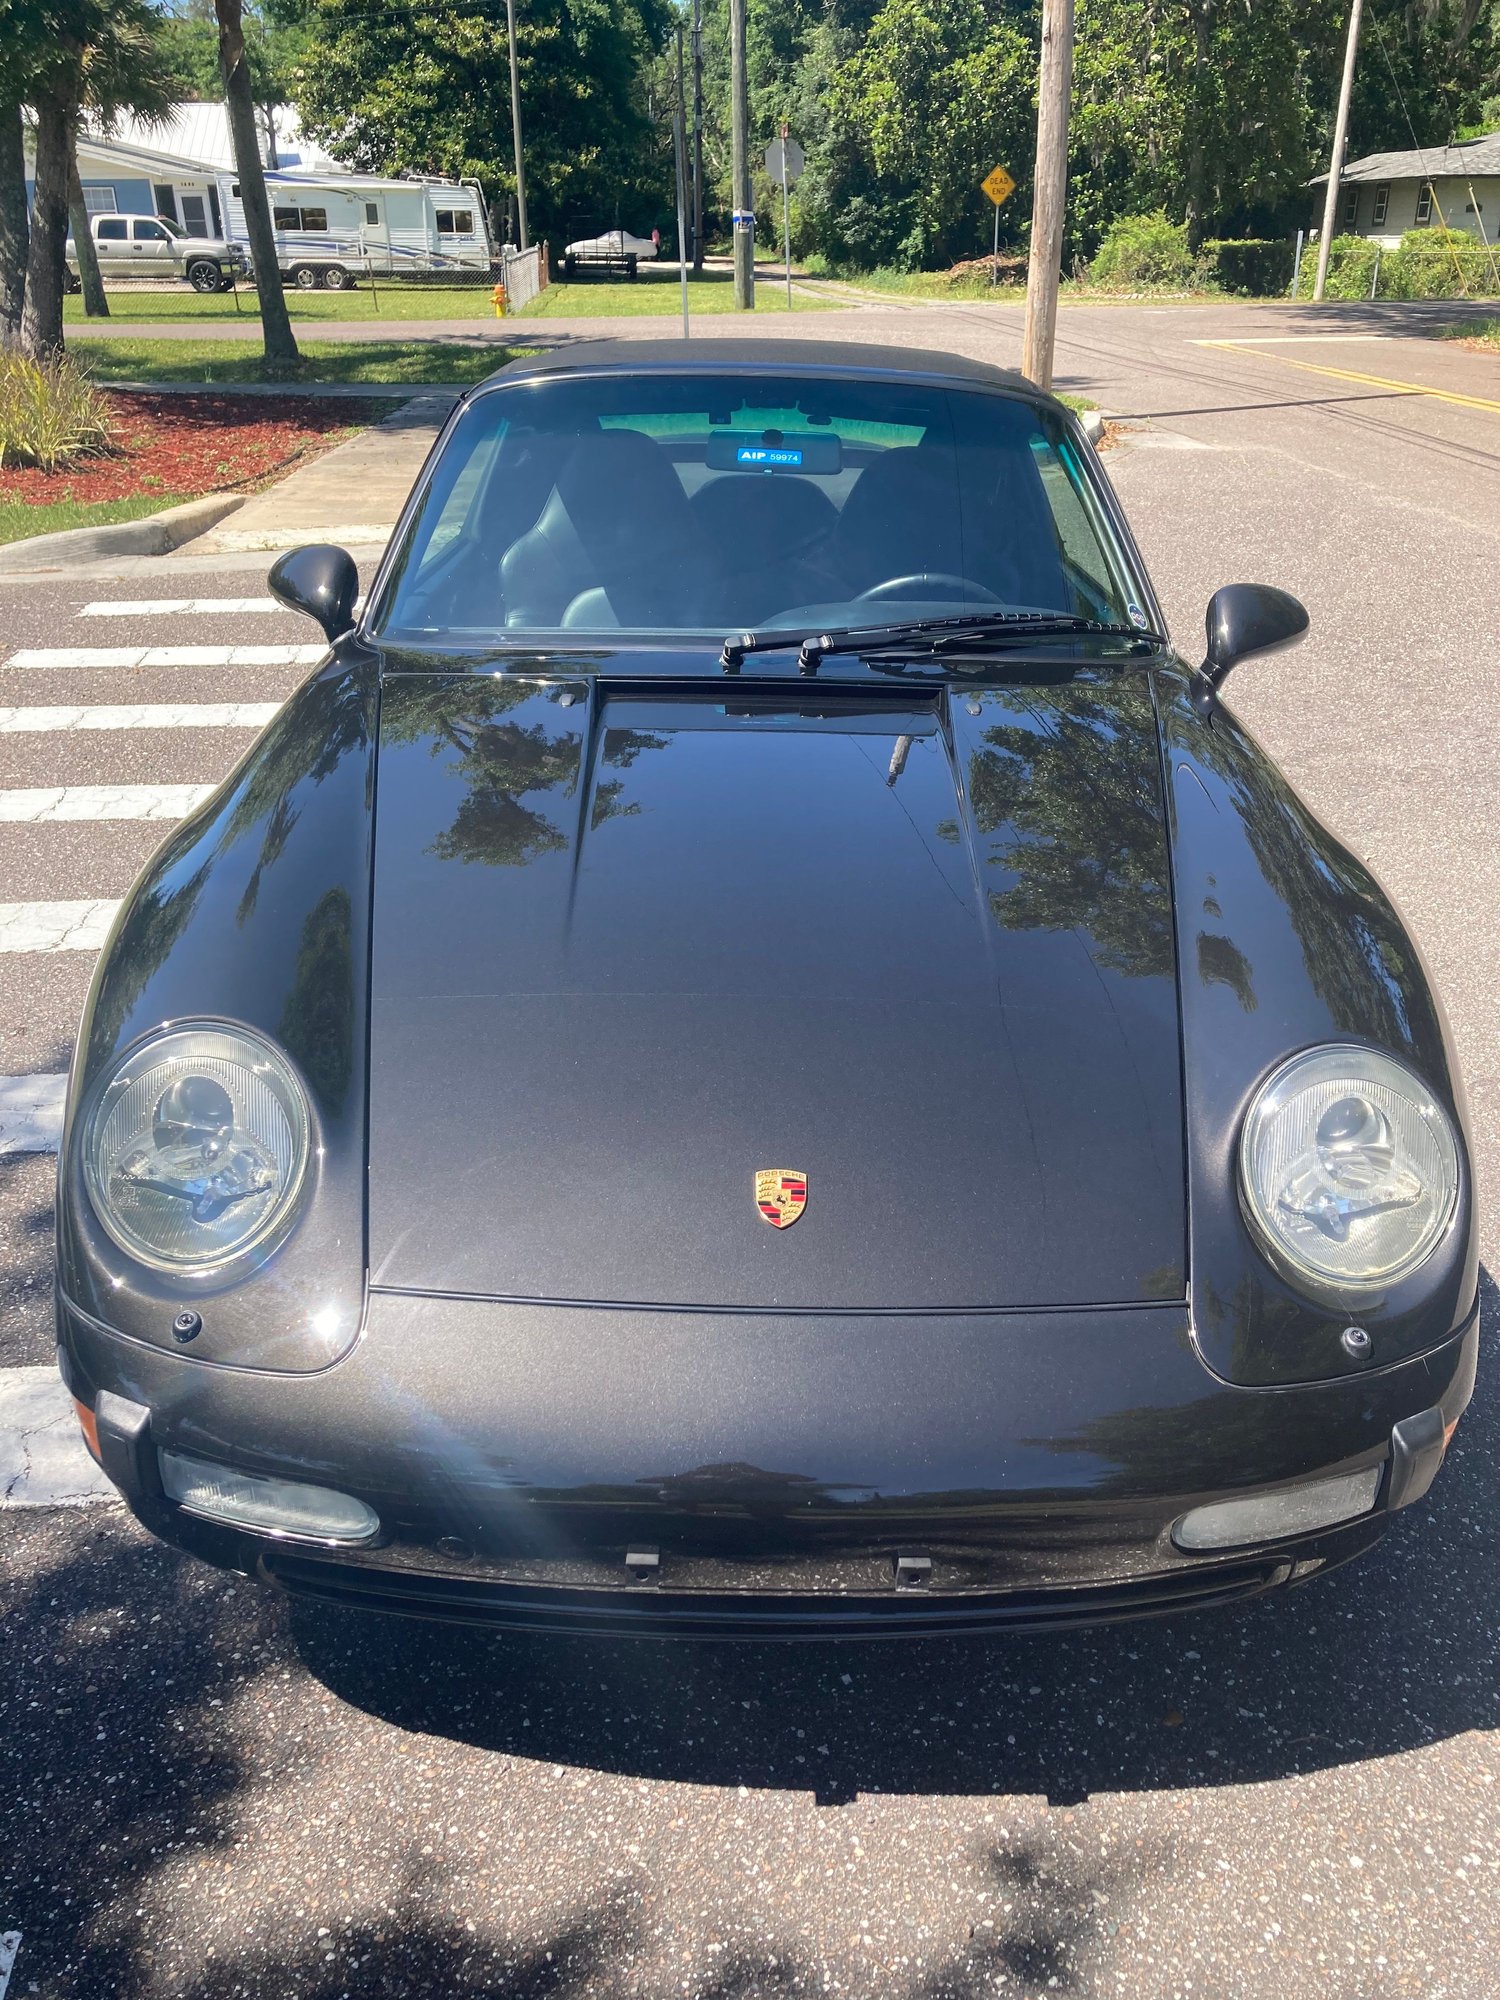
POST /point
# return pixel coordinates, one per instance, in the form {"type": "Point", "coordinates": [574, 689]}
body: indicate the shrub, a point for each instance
{"type": "Point", "coordinates": [1140, 250]}
{"type": "Point", "coordinates": [50, 413]}
{"type": "Point", "coordinates": [1258, 266]}
{"type": "Point", "coordinates": [1430, 264]}
{"type": "Point", "coordinates": [1439, 264]}
{"type": "Point", "coordinates": [1351, 268]}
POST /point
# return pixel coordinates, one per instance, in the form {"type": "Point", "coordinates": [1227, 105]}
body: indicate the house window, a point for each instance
{"type": "Point", "coordinates": [455, 222]}
{"type": "Point", "coordinates": [1424, 204]}
{"type": "Point", "coordinates": [111, 229]}
{"type": "Point", "coordinates": [1382, 203]}
{"type": "Point", "coordinates": [98, 200]}
{"type": "Point", "coordinates": [1351, 208]}
{"type": "Point", "coordinates": [166, 201]}
{"type": "Point", "coordinates": [300, 218]}
{"type": "Point", "coordinates": [1473, 208]}
{"type": "Point", "coordinates": [372, 213]}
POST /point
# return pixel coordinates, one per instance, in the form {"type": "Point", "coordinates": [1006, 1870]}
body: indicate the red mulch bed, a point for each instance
{"type": "Point", "coordinates": [189, 444]}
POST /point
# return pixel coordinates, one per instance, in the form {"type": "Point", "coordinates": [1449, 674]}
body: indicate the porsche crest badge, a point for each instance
{"type": "Point", "coordinates": [780, 1195]}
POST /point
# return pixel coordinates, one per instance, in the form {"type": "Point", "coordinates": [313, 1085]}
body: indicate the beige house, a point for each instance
{"type": "Point", "coordinates": [1385, 194]}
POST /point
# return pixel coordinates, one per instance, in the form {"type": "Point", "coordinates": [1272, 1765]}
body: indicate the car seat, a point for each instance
{"type": "Point", "coordinates": [617, 521]}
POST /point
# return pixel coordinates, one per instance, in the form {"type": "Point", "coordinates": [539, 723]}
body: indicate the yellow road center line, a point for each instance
{"type": "Point", "coordinates": [1351, 375]}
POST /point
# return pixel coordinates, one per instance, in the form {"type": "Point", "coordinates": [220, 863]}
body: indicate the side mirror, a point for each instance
{"type": "Point", "coordinates": [1245, 618]}
{"type": "Point", "coordinates": [321, 581]}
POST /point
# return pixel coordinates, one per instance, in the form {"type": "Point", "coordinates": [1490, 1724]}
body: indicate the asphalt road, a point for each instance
{"type": "Point", "coordinates": [210, 1792]}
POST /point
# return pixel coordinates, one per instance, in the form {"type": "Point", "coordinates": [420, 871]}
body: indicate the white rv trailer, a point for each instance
{"type": "Point", "coordinates": [332, 228]}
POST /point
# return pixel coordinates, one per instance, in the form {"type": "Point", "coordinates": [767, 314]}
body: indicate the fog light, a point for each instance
{"type": "Point", "coordinates": [1267, 1517]}
{"type": "Point", "coordinates": [267, 1506]}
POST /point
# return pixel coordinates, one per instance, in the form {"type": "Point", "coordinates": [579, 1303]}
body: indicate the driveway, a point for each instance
{"type": "Point", "coordinates": [210, 1792]}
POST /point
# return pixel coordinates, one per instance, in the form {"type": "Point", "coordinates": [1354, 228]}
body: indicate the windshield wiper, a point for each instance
{"type": "Point", "coordinates": [993, 627]}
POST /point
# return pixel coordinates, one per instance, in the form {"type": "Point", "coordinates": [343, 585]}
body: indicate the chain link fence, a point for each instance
{"type": "Point", "coordinates": [344, 287]}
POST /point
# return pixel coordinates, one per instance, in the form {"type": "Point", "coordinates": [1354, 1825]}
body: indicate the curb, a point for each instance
{"type": "Point", "coordinates": [155, 535]}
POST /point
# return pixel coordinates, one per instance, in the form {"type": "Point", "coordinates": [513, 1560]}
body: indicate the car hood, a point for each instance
{"type": "Point", "coordinates": [634, 944]}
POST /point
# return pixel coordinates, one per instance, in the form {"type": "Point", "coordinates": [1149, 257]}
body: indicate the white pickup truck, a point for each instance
{"type": "Point", "coordinates": [148, 246]}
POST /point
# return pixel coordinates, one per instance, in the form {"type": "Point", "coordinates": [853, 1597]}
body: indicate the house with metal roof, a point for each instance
{"type": "Point", "coordinates": [1457, 187]}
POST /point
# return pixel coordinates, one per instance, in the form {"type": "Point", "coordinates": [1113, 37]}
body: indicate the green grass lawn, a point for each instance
{"type": "Point", "coordinates": [659, 292]}
{"type": "Point", "coordinates": [1480, 333]}
{"type": "Point", "coordinates": [18, 519]}
{"type": "Point", "coordinates": [930, 285]}
{"type": "Point", "coordinates": [379, 301]}
{"type": "Point", "coordinates": [215, 361]}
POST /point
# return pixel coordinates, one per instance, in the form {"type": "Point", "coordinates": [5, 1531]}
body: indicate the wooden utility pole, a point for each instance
{"type": "Point", "coordinates": [1054, 95]}
{"type": "Point", "coordinates": [697, 136]}
{"type": "Point", "coordinates": [744, 218]}
{"type": "Point", "coordinates": [1336, 164]}
{"type": "Point", "coordinates": [515, 126]}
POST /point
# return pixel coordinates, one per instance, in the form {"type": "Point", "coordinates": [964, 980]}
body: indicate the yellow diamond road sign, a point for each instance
{"type": "Point", "coordinates": [998, 184]}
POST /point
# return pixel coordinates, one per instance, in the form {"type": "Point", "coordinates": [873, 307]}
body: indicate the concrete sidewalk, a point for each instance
{"type": "Point", "coordinates": [351, 494]}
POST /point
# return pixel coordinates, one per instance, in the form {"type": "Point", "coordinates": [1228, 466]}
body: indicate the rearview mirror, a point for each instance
{"type": "Point", "coordinates": [1246, 618]}
{"type": "Point", "coordinates": [321, 581]}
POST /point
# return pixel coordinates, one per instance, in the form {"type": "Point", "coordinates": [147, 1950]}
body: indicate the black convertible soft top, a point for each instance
{"type": "Point", "coordinates": [713, 354]}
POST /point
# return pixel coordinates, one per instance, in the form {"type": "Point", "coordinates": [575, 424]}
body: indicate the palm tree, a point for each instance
{"type": "Point", "coordinates": [239, 95]}
{"type": "Point", "coordinates": [22, 36]}
{"type": "Point", "coordinates": [104, 52]}
{"type": "Point", "coordinates": [15, 224]}
{"type": "Point", "coordinates": [126, 69]}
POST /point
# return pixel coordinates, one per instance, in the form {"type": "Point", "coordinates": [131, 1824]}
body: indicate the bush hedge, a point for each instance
{"type": "Point", "coordinates": [49, 412]}
{"type": "Point", "coordinates": [1143, 250]}
{"type": "Point", "coordinates": [1430, 264]}
{"type": "Point", "coordinates": [1258, 266]}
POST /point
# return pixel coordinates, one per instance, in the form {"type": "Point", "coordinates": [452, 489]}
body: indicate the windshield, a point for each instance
{"type": "Point", "coordinates": [659, 504]}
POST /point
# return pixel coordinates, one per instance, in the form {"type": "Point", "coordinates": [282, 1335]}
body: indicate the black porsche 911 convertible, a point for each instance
{"type": "Point", "coordinates": [755, 1054]}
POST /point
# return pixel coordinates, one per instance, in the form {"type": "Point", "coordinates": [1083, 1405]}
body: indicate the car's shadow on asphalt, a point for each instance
{"type": "Point", "coordinates": [1390, 1654]}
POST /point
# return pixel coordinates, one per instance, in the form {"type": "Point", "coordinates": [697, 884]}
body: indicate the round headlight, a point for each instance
{"type": "Point", "coordinates": [196, 1150]}
{"type": "Point", "coordinates": [1348, 1169]}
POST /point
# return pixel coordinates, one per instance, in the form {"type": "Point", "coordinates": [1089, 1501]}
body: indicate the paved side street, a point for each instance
{"type": "Point", "coordinates": [207, 1791]}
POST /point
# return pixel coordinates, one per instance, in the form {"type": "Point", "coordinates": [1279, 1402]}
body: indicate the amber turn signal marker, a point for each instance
{"type": "Point", "coordinates": [90, 1429]}
{"type": "Point", "coordinates": [1448, 1434]}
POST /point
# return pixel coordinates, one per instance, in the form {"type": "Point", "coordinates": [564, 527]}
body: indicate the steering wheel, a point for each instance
{"type": "Point", "coordinates": [903, 586]}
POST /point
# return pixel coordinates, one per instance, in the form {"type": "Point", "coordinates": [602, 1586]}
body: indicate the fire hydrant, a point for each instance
{"type": "Point", "coordinates": [498, 295]}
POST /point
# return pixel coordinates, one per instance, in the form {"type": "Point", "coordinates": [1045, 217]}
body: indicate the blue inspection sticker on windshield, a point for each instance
{"type": "Point", "coordinates": [1137, 616]}
{"type": "Point", "coordinates": [774, 451]}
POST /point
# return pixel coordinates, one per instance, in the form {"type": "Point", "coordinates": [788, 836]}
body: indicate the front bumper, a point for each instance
{"type": "Point", "coordinates": [765, 1474]}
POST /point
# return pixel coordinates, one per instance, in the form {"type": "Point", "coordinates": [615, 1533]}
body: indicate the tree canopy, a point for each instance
{"type": "Point", "coordinates": [423, 86]}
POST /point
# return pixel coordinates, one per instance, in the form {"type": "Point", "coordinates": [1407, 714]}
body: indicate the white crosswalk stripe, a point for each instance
{"type": "Point", "coordinates": [88, 659]}
{"type": "Point", "coordinates": [165, 607]}
{"type": "Point", "coordinates": [80, 926]}
{"type": "Point", "coordinates": [38, 804]}
{"type": "Point", "coordinates": [141, 715]}
{"type": "Point", "coordinates": [31, 1109]}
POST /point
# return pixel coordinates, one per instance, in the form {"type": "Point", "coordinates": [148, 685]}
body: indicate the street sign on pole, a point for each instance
{"type": "Point", "coordinates": [785, 160]}
{"type": "Point", "coordinates": [999, 186]}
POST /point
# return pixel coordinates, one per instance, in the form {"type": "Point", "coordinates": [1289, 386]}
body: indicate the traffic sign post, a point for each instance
{"type": "Point", "coordinates": [999, 186]}
{"type": "Point", "coordinates": [785, 160]}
